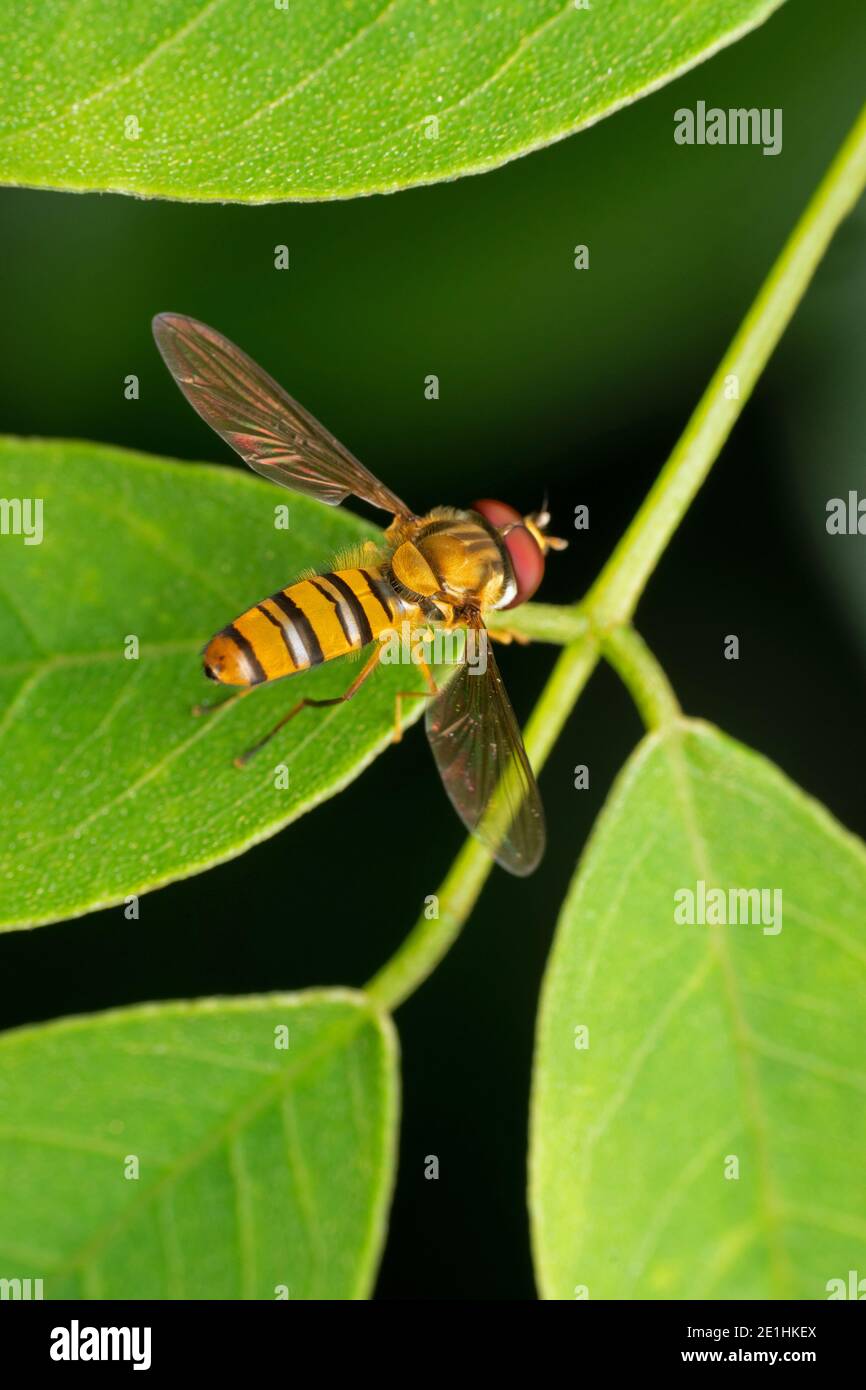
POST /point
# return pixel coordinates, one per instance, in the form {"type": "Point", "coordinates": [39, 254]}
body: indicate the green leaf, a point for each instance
{"type": "Point", "coordinates": [706, 1043]}
{"type": "Point", "coordinates": [110, 785]}
{"type": "Point", "coordinates": [258, 1166]}
{"type": "Point", "coordinates": [251, 103]}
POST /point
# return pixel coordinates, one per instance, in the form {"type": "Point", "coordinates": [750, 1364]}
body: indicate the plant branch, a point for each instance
{"type": "Point", "coordinates": [637, 668]}
{"type": "Point", "coordinates": [603, 615]}
{"type": "Point", "coordinates": [615, 594]}
{"type": "Point", "coordinates": [541, 622]}
{"type": "Point", "coordinates": [429, 940]}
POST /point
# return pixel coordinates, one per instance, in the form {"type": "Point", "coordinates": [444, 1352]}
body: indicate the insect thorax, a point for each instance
{"type": "Point", "coordinates": [456, 556]}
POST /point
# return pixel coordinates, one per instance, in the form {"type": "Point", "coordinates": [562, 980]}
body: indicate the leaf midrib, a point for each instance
{"type": "Point", "coordinates": [334, 1037]}
{"type": "Point", "coordinates": [98, 654]}
{"type": "Point", "coordinates": [771, 1208]}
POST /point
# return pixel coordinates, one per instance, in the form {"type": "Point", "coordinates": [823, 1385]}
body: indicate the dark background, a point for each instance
{"type": "Point", "coordinates": [580, 381]}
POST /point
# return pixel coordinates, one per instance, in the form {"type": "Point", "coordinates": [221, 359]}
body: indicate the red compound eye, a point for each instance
{"type": "Point", "coordinates": [526, 557]}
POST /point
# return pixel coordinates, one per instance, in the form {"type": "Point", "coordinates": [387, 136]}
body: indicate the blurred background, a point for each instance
{"type": "Point", "coordinates": [578, 381]}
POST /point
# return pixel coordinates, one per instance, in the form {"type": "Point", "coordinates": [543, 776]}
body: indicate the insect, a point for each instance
{"type": "Point", "coordinates": [441, 571]}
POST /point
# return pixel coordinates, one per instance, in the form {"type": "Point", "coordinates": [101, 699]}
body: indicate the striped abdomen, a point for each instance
{"type": "Point", "coordinates": [301, 626]}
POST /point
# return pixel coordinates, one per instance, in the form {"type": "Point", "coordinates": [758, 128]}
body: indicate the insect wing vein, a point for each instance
{"type": "Point", "coordinates": [275, 435]}
{"type": "Point", "coordinates": [479, 751]}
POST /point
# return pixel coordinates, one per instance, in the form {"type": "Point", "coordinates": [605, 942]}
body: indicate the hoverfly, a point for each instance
{"type": "Point", "coordinates": [442, 570]}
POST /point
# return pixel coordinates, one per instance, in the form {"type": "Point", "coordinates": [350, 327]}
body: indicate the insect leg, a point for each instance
{"type": "Point", "coordinates": [506, 636]}
{"type": "Point", "coordinates": [214, 705]}
{"type": "Point", "coordinates": [402, 695]}
{"type": "Point", "coordinates": [367, 670]}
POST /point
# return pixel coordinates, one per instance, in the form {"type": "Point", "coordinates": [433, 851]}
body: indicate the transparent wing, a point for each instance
{"type": "Point", "coordinates": [479, 751]}
{"type": "Point", "coordinates": [261, 422]}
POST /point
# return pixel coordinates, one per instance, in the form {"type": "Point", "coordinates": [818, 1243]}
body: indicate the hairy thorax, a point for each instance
{"type": "Point", "coordinates": [450, 560]}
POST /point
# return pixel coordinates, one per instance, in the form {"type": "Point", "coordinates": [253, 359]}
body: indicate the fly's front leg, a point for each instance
{"type": "Point", "coordinates": [402, 695]}
{"type": "Point", "coordinates": [507, 635]}
{"type": "Point", "coordinates": [367, 670]}
{"type": "Point", "coordinates": [214, 705]}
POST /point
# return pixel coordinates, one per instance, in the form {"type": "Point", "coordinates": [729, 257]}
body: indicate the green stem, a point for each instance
{"type": "Point", "coordinates": [613, 598]}
{"type": "Point", "coordinates": [429, 940]}
{"type": "Point", "coordinates": [639, 671]}
{"type": "Point", "coordinates": [615, 594]}
{"type": "Point", "coordinates": [541, 622]}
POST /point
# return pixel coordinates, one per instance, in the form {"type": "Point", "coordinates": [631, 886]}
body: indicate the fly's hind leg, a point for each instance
{"type": "Point", "coordinates": [402, 695]}
{"type": "Point", "coordinates": [367, 670]}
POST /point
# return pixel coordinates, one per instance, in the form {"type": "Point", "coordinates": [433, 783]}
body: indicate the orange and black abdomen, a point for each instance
{"type": "Point", "coordinates": [310, 622]}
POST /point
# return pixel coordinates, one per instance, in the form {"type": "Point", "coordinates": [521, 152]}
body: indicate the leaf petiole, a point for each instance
{"type": "Point", "coordinates": [641, 673]}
